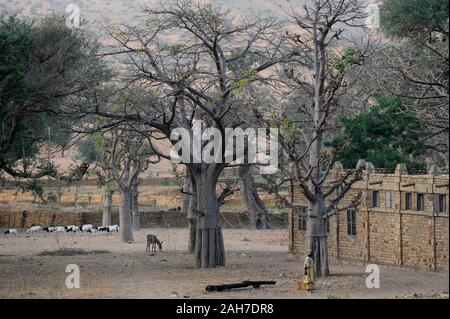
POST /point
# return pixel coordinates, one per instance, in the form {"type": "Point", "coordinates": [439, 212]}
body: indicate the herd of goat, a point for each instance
{"type": "Point", "coordinates": [88, 228]}
{"type": "Point", "coordinates": [152, 240]}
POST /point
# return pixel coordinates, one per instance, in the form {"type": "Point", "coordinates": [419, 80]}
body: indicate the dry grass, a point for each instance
{"type": "Point", "coordinates": [35, 267]}
{"type": "Point", "coordinates": [71, 252]}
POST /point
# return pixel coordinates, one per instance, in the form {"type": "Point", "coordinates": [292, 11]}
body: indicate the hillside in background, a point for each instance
{"type": "Point", "coordinates": [97, 15]}
{"type": "Point", "coordinates": [106, 12]}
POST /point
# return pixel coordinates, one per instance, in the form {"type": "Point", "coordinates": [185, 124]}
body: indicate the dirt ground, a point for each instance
{"type": "Point", "coordinates": [126, 271]}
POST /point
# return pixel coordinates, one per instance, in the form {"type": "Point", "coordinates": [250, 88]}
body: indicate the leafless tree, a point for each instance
{"type": "Point", "coordinates": [103, 149]}
{"type": "Point", "coordinates": [418, 73]}
{"type": "Point", "coordinates": [130, 155]}
{"type": "Point", "coordinates": [316, 83]}
{"type": "Point", "coordinates": [195, 59]}
{"type": "Point", "coordinates": [257, 210]}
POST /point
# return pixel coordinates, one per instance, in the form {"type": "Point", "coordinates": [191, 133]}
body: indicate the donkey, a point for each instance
{"type": "Point", "coordinates": [152, 241]}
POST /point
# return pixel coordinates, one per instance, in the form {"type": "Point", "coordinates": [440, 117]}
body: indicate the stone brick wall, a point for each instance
{"type": "Point", "coordinates": [352, 246]}
{"type": "Point", "coordinates": [384, 232]}
{"type": "Point", "coordinates": [441, 233]}
{"type": "Point", "coordinates": [24, 216]}
{"type": "Point", "coordinates": [388, 234]}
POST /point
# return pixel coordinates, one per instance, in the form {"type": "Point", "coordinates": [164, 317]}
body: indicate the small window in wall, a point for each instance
{"type": "Point", "coordinates": [442, 203]}
{"type": "Point", "coordinates": [376, 199]}
{"type": "Point", "coordinates": [302, 218]}
{"type": "Point", "coordinates": [420, 202]}
{"type": "Point", "coordinates": [408, 201]}
{"type": "Point", "coordinates": [388, 201]}
{"type": "Point", "coordinates": [351, 222]}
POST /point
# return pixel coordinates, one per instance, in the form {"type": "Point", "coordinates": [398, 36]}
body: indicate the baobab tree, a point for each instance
{"type": "Point", "coordinates": [257, 210]}
{"type": "Point", "coordinates": [189, 208]}
{"type": "Point", "coordinates": [194, 59]}
{"type": "Point", "coordinates": [314, 85]}
{"type": "Point", "coordinates": [130, 155]}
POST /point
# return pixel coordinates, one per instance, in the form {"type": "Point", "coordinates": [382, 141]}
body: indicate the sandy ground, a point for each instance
{"type": "Point", "coordinates": [126, 271]}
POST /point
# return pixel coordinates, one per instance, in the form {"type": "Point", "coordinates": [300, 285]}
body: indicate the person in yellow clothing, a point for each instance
{"type": "Point", "coordinates": [309, 271]}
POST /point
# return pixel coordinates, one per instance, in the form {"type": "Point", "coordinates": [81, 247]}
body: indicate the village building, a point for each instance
{"type": "Point", "coordinates": [402, 219]}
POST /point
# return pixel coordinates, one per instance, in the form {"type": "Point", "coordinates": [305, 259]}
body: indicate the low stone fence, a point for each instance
{"type": "Point", "coordinates": [24, 217]}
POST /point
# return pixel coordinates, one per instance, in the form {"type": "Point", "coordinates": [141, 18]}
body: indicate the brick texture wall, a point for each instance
{"type": "Point", "coordinates": [388, 233]}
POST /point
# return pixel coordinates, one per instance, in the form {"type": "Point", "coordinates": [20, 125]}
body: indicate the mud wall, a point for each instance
{"type": "Point", "coordinates": [17, 217]}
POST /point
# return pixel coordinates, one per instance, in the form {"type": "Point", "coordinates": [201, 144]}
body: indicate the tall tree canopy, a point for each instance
{"type": "Point", "coordinates": [384, 136]}
{"type": "Point", "coordinates": [42, 64]}
{"type": "Point", "coordinates": [414, 18]}
{"type": "Point", "coordinates": [413, 64]}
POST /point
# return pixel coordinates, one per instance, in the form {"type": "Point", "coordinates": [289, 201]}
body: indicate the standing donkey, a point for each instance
{"type": "Point", "coordinates": [152, 241]}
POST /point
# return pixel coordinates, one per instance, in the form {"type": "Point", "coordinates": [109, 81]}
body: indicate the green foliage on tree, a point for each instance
{"type": "Point", "coordinates": [414, 18]}
{"type": "Point", "coordinates": [15, 40]}
{"type": "Point", "coordinates": [384, 136]}
{"type": "Point", "coordinates": [42, 64]}
{"type": "Point", "coordinates": [347, 58]}
{"type": "Point", "coordinates": [417, 68]}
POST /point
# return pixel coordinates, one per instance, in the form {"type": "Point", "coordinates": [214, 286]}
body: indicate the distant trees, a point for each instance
{"type": "Point", "coordinates": [96, 149]}
{"type": "Point", "coordinates": [130, 156]}
{"type": "Point", "coordinates": [121, 152]}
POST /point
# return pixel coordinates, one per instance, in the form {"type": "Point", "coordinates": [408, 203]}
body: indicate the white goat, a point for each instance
{"type": "Point", "coordinates": [59, 229]}
{"type": "Point", "coordinates": [49, 229]}
{"type": "Point", "coordinates": [114, 228]}
{"type": "Point", "coordinates": [86, 228]}
{"type": "Point", "coordinates": [34, 229]}
{"type": "Point", "coordinates": [73, 228]}
{"type": "Point", "coordinates": [11, 231]}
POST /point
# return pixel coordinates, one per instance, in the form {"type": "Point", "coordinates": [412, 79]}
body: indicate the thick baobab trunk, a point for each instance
{"type": "Point", "coordinates": [186, 194]}
{"type": "Point", "coordinates": [135, 212]}
{"type": "Point", "coordinates": [192, 225]}
{"type": "Point", "coordinates": [192, 220]}
{"type": "Point", "coordinates": [126, 228]}
{"type": "Point", "coordinates": [189, 208]}
{"type": "Point", "coordinates": [259, 216]}
{"type": "Point", "coordinates": [107, 207]}
{"type": "Point", "coordinates": [209, 247]}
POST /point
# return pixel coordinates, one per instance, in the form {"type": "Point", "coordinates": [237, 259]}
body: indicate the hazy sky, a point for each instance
{"type": "Point", "coordinates": [101, 13]}
{"type": "Point", "coordinates": [118, 11]}
{"type": "Point", "coordinates": [105, 12]}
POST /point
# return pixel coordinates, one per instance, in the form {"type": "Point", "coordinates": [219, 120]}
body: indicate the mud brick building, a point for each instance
{"type": "Point", "coordinates": [402, 219]}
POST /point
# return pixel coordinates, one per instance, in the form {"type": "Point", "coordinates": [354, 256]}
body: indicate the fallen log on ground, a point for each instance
{"type": "Point", "coordinates": [243, 284]}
